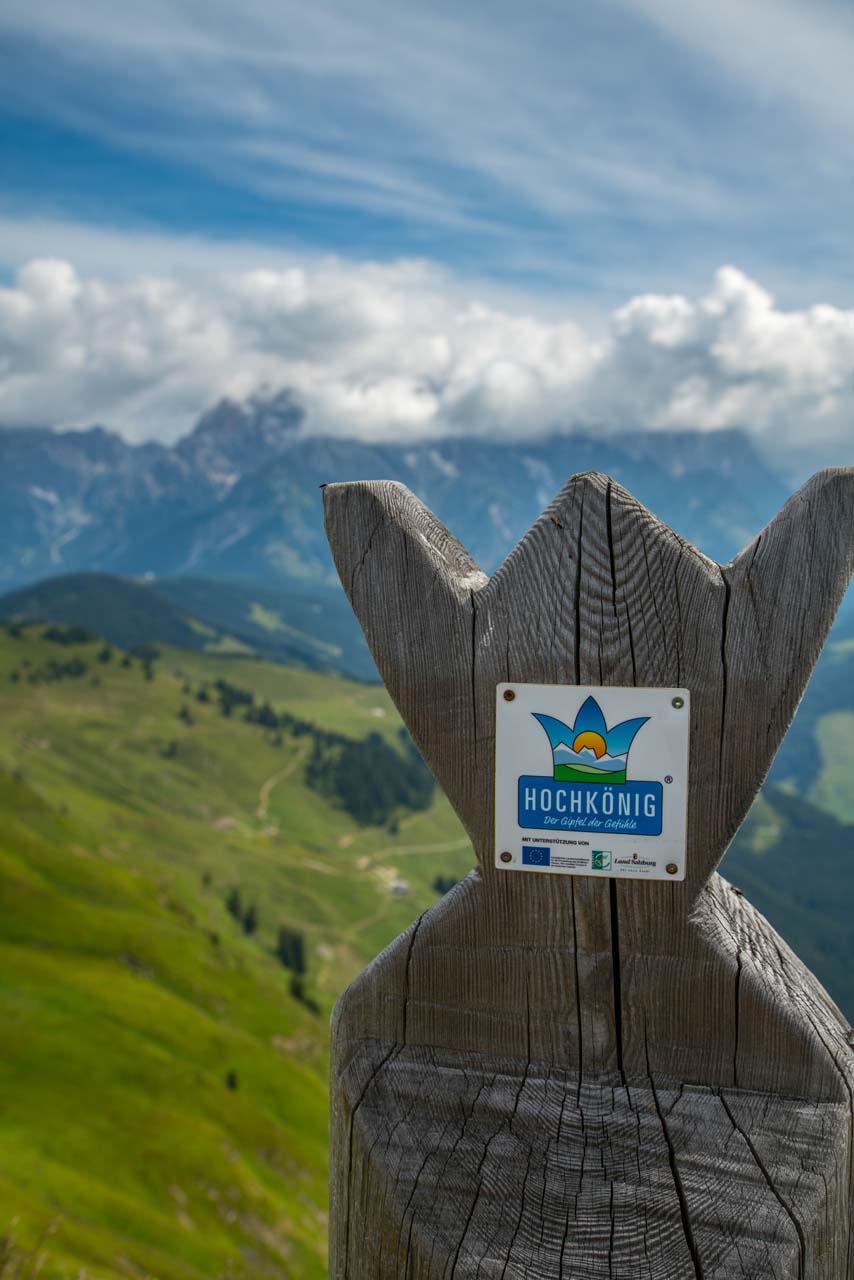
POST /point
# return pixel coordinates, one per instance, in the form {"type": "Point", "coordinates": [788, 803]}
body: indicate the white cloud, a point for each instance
{"type": "Point", "coordinates": [399, 351]}
{"type": "Point", "coordinates": [732, 358]}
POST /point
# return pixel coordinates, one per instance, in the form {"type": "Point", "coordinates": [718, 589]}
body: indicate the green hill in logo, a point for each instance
{"type": "Point", "coordinates": [586, 773]}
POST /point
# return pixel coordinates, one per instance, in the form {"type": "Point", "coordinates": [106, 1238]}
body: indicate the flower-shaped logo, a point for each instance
{"type": "Point", "coordinates": [589, 751]}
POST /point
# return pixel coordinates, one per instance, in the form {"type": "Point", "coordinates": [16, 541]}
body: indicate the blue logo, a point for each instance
{"type": "Point", "coordinates": [588, 789]}
{"type": "Point", "coordinates": [536, 855]}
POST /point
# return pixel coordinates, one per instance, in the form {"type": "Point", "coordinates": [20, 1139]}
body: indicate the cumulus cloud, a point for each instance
{"type": "Point", "coordinates": [397, 351]}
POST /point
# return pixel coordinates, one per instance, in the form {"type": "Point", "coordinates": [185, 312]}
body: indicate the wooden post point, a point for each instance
{"type": "Point", "coordinates": [576, 1076]}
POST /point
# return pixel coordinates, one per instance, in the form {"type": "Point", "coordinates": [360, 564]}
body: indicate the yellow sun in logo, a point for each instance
{"type": "Point", "coordinates": [593, 741]}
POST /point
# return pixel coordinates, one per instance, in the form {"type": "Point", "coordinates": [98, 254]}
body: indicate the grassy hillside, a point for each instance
{"type": "Point", "coordinates": [816, 759]}
{"type": "Point", "coordinates": [124, 612]}
{"type": "Point", "coordinates": [796, 864]}
{"type": "Point", "coordinates": [794, 856]}
{"type": "Point", "coordinates": [162, 1087]}
{"type": "Point", "coordinates": [315, 627]}
{"type": "Point", "coordinates": [303, 628]}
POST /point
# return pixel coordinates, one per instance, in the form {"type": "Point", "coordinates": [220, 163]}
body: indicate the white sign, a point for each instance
{"type": "Point", "coordinates": [591, 781]}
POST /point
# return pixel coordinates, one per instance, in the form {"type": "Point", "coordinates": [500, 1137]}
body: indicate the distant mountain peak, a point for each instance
{"type": "Point", "coordinates": [269, 415]}
{"type": "Point", "coordinates": [236, 437]}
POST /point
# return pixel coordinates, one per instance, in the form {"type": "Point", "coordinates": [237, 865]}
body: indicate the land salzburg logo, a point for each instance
{"type": "Point", "coordinates": [588, 789]}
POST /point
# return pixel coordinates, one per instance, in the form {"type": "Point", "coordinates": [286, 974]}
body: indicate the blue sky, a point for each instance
{"type": "Point", "coordinates": [576, 149]}
{"type": "Point", "coordinates": [555, 158]}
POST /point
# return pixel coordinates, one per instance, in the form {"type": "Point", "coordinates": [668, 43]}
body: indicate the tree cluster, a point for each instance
{"type": "Point", "coordinates": [68, 635]}
{"type": "Point", "coordinates": [369, 778]}
{"type": "Point", "coordinates": [231, 696]}
{"type": "Point", "coordinates": [245, 915]}
{"type": "Point", "coordinates": [54, 670]}
{"type": "Point", "coordinates": [265, 716]}
{"type": "Point", "coordinates": [290, 949]}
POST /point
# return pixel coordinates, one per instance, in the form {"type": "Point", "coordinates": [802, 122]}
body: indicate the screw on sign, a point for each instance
{"type": "Point", "coordinates": [557, 1074]}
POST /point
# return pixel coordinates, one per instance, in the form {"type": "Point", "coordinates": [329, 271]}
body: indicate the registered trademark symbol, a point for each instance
{"type": "Point", "coordinates": [668, 778]}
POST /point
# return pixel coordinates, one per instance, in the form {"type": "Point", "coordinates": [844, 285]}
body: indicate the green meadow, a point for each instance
{"type": "Point", "coordinates": [163, 1082]}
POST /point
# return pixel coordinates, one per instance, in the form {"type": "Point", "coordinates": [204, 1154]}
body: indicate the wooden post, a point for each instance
{"type": "Point", "coordinates": [560, 1076]}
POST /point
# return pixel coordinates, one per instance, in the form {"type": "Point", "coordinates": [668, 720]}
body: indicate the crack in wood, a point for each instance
{"type": "Point", "coordinates": [772, 1187]}
{"type": "Point", "coordinates": [677, 1178]}
{"type": "Point", "coordinates": [616, 980]}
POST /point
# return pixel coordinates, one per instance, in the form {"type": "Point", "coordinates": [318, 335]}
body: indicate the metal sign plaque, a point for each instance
{"type": "Point", "coordinates": [591, 781]}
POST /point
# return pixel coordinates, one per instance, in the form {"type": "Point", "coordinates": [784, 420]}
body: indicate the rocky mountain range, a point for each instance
{"type": "Point", "coordinates": [239, 496]}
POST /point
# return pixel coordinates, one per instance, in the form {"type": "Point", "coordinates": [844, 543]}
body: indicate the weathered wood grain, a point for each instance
{"type": "Point", "coordinates": [497, 1170]}
{"type": "Point", "coordinates": [626, 988]}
